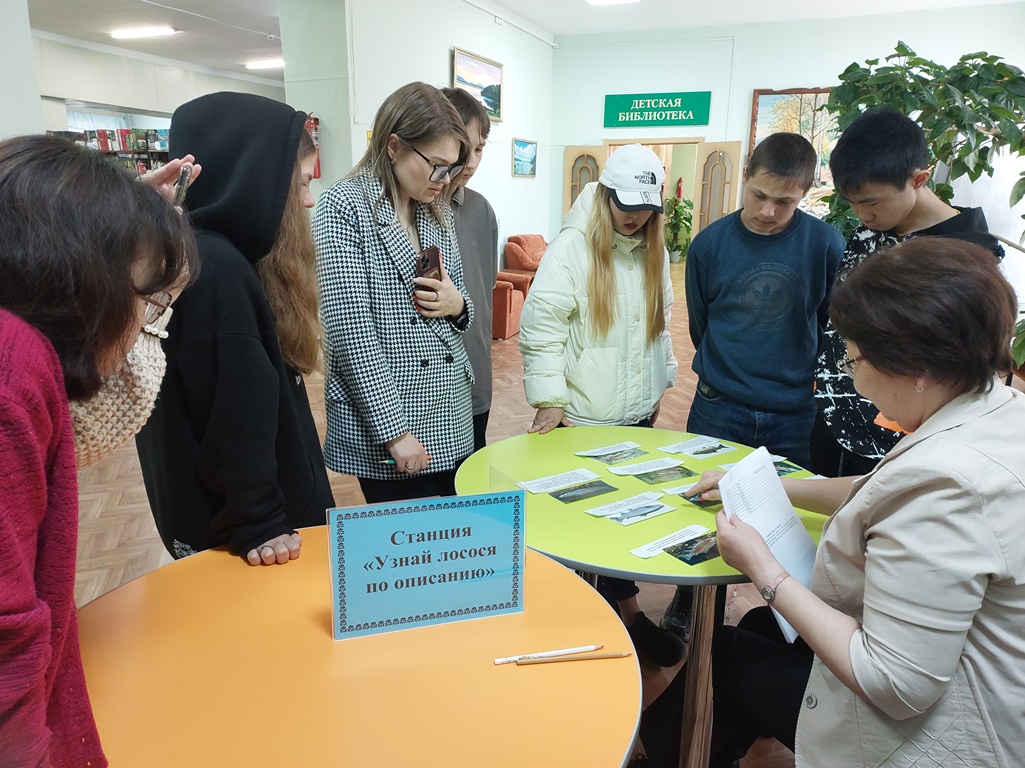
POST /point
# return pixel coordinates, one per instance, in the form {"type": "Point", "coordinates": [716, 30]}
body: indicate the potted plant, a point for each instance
{"type": "Point", "coordinates": [679, 215]}
{"type": "Point", "coordinates": [1018, 349]}
{"type": "Point", "coordinates": [968, 112]}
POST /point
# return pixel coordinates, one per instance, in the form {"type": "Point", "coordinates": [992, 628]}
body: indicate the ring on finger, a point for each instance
{"type": "Point", "coordinates": [437, 296]}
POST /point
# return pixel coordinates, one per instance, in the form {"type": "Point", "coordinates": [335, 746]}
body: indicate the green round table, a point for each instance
{"type": "Point", "coordinates": [568, 534]}
{"type": "Point", "coordinates": [593, 544]}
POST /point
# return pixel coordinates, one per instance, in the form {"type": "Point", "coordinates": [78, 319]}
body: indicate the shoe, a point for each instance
{"type": "Point", "coordinates": [677, 617]}
{"type": "Point", "coordinates": [655, 645]}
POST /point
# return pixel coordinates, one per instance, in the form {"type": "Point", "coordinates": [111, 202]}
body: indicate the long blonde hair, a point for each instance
{"type": "Point", "coordinates": [601, 278]}
{"type": "Point", "coordinates": [418, 114]}
{"type": "Point", "coordinates": [288, 276]}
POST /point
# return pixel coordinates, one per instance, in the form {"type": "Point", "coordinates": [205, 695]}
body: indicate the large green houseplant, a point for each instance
{"type": "Point", "coordinates": [679, 217]}
{"type": "Point", "coordinates": [968, 112]}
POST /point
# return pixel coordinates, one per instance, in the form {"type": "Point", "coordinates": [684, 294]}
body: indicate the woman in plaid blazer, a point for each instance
{"type": "Point", "coordinates": [397, 387]}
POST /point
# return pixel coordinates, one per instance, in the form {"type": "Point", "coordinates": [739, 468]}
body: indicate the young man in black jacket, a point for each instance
{"type": "Point", "coordinates": [880, 165]}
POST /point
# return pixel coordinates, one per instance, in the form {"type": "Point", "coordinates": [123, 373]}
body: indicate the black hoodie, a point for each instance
{"type": "Point", "coordinates": [231, 454]}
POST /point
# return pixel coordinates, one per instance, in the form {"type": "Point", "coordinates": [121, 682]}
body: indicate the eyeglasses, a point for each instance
{"type": "Point", "coordinates": [847, 366]}
{"type": "Point", "coordinates": [440, 171]}
{"type": "Point", "coordinates": [156, 305]}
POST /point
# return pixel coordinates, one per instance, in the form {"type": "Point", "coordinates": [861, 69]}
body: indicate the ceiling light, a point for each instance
{"type": "Point", "coordinates": [610, 2]}
{"type": "Point", "coordinates": [130, 34]}
{"type": "Point", "coordinates": [266, 64]}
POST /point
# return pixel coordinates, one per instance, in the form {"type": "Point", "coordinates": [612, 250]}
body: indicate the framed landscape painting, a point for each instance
{"type": "Point", "coordinates": [481, 78]}
{"type": "Point", "coordinates": [797, 110]}
{"type": "Point", "coordinates": [524, 158]}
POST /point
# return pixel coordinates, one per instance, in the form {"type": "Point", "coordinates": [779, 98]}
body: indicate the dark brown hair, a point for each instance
{"type": "Point", "coordinates": [72, 226]}
{"type": "Point", "coordinates": [931, 305]}
{"type": "Point", "coordinates": [469, 109]}
{"type": "Point", "coordinates": [787, 155]}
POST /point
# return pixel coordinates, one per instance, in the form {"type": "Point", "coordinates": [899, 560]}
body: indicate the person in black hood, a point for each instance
{"type": "Point", "coordinates": [231, 454]}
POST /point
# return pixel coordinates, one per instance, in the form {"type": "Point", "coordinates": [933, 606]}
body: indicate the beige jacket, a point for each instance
{"type": "Point", "coordinates": [618, 379]}
{"type": "Point", "coordinates": [928, 554]}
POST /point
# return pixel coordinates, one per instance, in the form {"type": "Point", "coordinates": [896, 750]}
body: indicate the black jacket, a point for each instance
{"type": "Point", "coordinates": [231, 454]}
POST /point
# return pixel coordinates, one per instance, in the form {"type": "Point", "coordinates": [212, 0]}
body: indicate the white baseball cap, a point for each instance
{"type": "Point", "coordinates": [634, 174]}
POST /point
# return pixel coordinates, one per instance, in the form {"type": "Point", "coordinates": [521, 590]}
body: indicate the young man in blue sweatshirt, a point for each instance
{"type": "Point", "coordinates": [758, 284]}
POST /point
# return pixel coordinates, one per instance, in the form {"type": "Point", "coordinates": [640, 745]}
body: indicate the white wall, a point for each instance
{"type": "Point", "coordinates": [418, 46]}
{"type": "Point", "coordinates": [68, 71]}
{"type": "Point", "coordinates": [733, 61]}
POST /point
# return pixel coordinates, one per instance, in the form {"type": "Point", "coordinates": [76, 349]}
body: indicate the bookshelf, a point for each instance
{"type": "Point", "coordinates": [137, 149]}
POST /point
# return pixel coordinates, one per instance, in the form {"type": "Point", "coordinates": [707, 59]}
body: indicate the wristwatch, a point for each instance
{"type": "Point", "coordinates": [769, 592]}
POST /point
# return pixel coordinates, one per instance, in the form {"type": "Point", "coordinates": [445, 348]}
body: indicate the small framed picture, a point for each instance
{"type": "Point", "coordinates": [481, 78]}
{"type": "Point", "coordinates": [524, 158]}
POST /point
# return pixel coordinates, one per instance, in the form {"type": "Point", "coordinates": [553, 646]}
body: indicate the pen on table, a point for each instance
{"type": "Point", "coordinates": [548, 654]}
{"type": "Point", "coordinates": [389, 462]}
{"type": "Point", "coordinates": [574, 657]}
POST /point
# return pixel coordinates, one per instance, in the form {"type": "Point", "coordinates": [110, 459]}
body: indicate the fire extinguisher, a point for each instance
{"type": "Point", "coordinates": [313, 127]}
{"type": "Point", "coordinates": [679, 187]}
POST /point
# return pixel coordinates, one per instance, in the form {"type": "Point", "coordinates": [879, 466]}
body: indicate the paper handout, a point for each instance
{"type": "Point", "coordinates": [752, 491]}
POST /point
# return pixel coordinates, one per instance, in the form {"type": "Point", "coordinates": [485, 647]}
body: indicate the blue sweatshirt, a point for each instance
{"type": "Point", "coordinates": [758, 305]}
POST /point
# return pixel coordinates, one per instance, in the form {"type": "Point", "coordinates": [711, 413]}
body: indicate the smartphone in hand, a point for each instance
{"type": "Point", "coordinates": [182, 185]}
{"type": "Point", "coordinates": [428, 263]}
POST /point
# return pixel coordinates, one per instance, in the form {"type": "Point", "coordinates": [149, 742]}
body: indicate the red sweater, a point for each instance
{"type": "Point", "coordinates": [45, 718]}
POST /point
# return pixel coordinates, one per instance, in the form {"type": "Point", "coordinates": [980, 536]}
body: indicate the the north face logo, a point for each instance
{"type": "Point", "coordinates": [645, 177]}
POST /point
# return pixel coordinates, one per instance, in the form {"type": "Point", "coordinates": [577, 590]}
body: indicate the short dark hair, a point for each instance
{"type": "Point", "coordinates": [787, 155]}
{"type": "Point", "coordinates": [930, 305]}
{"type": "Point", "coordinates": [880, 147]}
{"type": "Point", "coordinates": [469, 109]}
{"type": "Point", "coordinates": [72, 226]}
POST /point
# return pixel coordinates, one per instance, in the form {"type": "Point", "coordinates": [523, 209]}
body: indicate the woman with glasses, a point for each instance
{"type": "Point", "coordinates": [397, 389]}
{"type": "Point", "coordinates": [911, 648]}
{"type": "Point", "coordinates": [231, 454]}
{"type": "Point", "coordinates": [84, 251]}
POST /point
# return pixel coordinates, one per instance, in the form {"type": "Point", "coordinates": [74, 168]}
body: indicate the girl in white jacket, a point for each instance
{"type": "Point", "coordinates": [594, 332]}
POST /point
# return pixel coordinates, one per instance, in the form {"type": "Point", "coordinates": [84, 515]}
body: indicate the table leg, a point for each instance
{"type": "Point", "coordinates": [590, 578]}
{"type": "Point", "coordinates": [696, 729]}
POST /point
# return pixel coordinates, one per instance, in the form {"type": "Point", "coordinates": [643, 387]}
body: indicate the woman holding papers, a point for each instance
{"type": "Point", "coordinates": [594, 332]}
{"type": "Point", "coordinates": [911, 648]}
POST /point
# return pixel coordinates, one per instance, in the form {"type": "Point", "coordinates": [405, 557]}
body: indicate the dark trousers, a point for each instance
{"type": "Point", "coordinates": [759, 680]}
{"type": "Point", "coordinates": [830, 459]}
{"type": "Point", "coordinates": [416, 487]}
{"type": "Point", "coordinates": [480, 430]}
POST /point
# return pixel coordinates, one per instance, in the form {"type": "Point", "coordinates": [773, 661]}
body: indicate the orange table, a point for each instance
{"type": "Point", "coordinates": [208, 661]}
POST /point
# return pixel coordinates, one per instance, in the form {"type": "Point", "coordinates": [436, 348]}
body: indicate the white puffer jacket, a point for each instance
{"type": "Point", "coordinates": [607, 381]}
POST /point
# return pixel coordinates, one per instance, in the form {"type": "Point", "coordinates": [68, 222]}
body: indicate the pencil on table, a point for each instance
{"type": "Point", "coordinates": [575, 657]}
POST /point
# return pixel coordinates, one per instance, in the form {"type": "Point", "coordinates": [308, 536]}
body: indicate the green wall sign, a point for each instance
{"type": "Point", "coordinates": [628, 109]}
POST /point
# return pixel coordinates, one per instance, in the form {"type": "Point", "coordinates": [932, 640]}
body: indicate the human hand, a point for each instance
{"type": "Point", "coordinates": [743, 548]}
{"type": "Point", "coordinates": [278, 550]}
{"type": "Point", "coordinates": [163, 178]}
{"type": "Point", "coordinates": [547, 419]}
{"type": "Point", "coordinates": [438, 298]}
{"type": "Point", "coordinates": [707, 485]}
{"type": "Point", "coordinates": [410, 456]}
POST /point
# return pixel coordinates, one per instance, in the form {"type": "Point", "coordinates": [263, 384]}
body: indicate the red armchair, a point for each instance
{"type": "Point", "coordinates": [522, 256]}
{"type": "Point", "coordinates": [508, 304]}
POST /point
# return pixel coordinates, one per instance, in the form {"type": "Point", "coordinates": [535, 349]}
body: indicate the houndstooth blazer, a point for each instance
{"type": "Point", "coordinates": [388, 370]}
